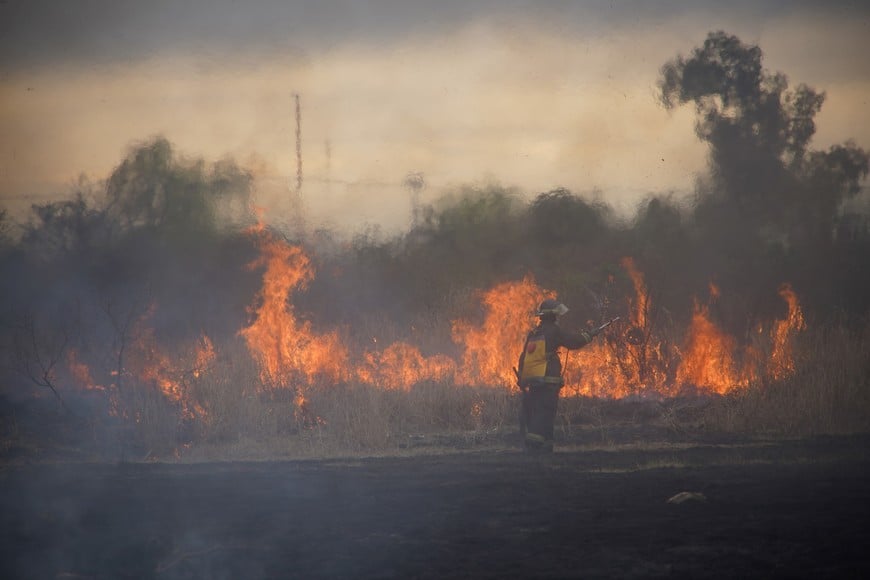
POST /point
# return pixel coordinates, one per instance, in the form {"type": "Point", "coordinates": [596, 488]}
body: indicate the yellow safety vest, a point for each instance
{"type": "Point", "coordinates": [534, 368]}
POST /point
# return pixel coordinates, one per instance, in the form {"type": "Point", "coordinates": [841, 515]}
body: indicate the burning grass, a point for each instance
{"type": "Point", "coordinates": [303, 391]}
{"type": "Point", "coordinates": [244, 420]}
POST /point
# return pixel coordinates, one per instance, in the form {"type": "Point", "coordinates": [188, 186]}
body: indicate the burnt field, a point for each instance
{"type": "Point", "coordinates": [762, 509]}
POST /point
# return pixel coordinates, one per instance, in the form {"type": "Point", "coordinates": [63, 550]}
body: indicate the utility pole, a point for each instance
{"type": "Point", "coordinates": [296, 210]}
{"type": "Point", "coordinates": [298, 144]}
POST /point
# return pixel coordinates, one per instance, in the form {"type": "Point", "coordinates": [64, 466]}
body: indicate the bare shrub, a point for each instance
{"type": "Point", "coordinates": [38, 349]}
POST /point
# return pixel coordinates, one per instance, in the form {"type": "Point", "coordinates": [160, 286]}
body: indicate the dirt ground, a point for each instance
{"type": "Point", "coordinates": [793, 509]}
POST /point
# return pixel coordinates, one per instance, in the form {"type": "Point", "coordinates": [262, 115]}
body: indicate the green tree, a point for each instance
{"type": "Point", "coordinates": [152, 188]}
{"type": "Point", "coordinates": [471, 240]}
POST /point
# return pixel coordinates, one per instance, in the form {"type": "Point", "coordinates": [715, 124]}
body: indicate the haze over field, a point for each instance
{"type": "Point", "coordinates": [534, 95]}
{"type": "Point", "coordinates": [176, 300]}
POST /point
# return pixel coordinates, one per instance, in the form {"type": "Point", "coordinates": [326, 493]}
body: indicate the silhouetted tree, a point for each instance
{"type": "Point", "coordinates": [770, 207]}
{"type": "Point", "coordinates": [759, 132]}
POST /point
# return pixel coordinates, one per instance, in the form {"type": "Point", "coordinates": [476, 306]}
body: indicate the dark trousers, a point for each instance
{"type": "Point", "coordinates": [538, 415]}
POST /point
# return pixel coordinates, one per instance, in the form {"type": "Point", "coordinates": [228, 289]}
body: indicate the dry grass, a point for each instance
{"type": "Point", "coordinates": [829, 392]}
{"type": "Point", "coordinates": [243, 418]}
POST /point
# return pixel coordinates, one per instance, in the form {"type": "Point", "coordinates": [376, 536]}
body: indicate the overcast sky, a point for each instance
{"type": "Point", "coordinates": [534, 95]}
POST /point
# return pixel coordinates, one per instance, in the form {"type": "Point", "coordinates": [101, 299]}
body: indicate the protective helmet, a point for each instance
{"type": "Point", "coordinates": [550, 306]}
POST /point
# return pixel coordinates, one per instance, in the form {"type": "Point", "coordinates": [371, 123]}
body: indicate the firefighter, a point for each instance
{"type": "Point", "coordinates": [539, 374]}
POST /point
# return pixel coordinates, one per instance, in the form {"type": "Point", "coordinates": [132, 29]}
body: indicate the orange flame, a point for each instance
{"type": "Point", "coordinates": [641, 302]}
{"type": "Point", "coordinates": [611, 368]}
{"type": "Point", "coordinates": [152, 365]}
{"type": "Point", "coordinates": [781, 359]}
{"type": "Point", "coordinates": [401, 365]}
{"type": "Point", "coordinates": [710, 359]}
{"type": "Point", "coordinates": [292, 355]}
{"type": "Point", "coordinates": [621, 368]}
{"type": "Point", "coordinates": [81, 372]}
{"type": "Point", "coordinates": [83, 379]}
{"type": "Point", "coordinates": [708, 356]}
{"type": "Point", "coordinates": [286, 348]}
{"type": "Point", "coordinates": [491, 350]}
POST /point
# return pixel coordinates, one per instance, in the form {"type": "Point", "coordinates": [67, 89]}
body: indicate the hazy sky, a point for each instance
{"type": "Point", "coordinates": [535, 95]}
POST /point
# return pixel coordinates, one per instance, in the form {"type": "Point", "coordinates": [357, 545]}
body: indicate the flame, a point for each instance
{"type": "Point", "coordinates": [292, 355]}
{"type": "Point", "coordinates": [258, 227]}
{"type": "Point", "coordinates": [641, 302]}
{"type": "Point", "coordinates": [83, 379]}
{"type": "Point", "coordinates": [612, 368]}
{"type": "Point", "coordinates": [286, 349]}
{"type": "Point", "coordinates": [782, 359]}
{"type": "Point", "coordinates": [81, 372]}
{"type": "Point", "coordinates": [491, 350]}
{"type": "Point", "coordinates": [401, 365]}
{"type": "Point", "coordinates": [621, 368]}
{"type": "Point", "coordinates": [710, 360]}
{"type": "Point", "coordinates": [149, 363]}
{"type": "Point", "coordinates": [708, 356]}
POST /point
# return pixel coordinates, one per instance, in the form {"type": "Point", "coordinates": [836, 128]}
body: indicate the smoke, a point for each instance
{"type": "Point", "coordinates": [156, 261]}
{"type": "Point", "coordinates": [160, 261]}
